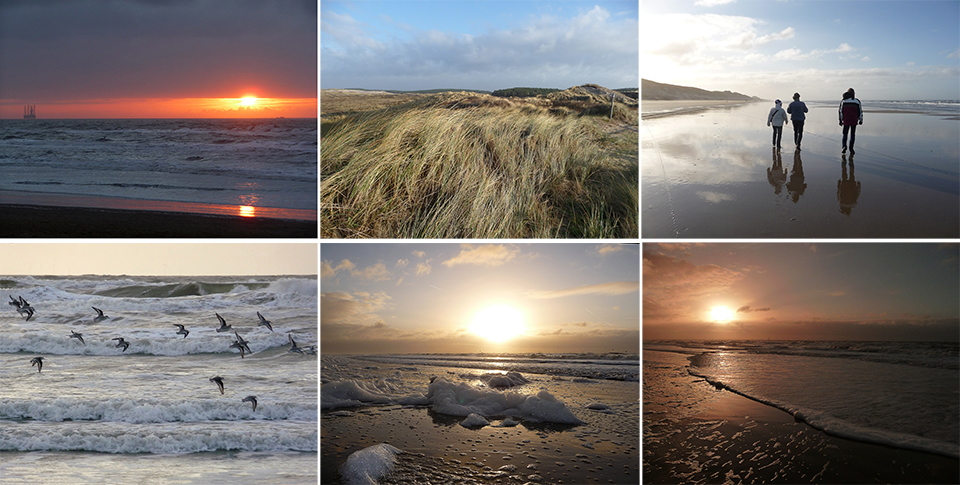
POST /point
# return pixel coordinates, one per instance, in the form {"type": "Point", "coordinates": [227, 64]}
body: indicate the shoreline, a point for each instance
{"type": "Point", "coordinates": [695, 432]}
{"type": "Point", "coordinates": [54, 199]}
{"type": "Point", "coordinates": [659, 109]}
{"type": "Point", "coordinates": [438, 449]}
{"type": "Point", "coordinates": [29, 221]}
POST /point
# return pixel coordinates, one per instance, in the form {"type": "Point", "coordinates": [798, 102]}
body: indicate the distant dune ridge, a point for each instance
{"type": "Point", "coordinates": [654, 91]}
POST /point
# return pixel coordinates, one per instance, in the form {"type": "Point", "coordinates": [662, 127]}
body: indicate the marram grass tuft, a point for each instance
{"type": "Point", "coordinates": [516, 171]}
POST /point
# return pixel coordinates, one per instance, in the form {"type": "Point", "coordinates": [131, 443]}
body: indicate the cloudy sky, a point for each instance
{"type": "Point", "coordinates": [392, 298]}
{"type": "Point", "coordinates": [484, 45]}
{"type": "Point", "coordinates": [905, 50]}
{"type": "Point", "coordinates": [155, 58]}
{"type": "Point", "coordinates": [158, 259]}
{"type": "Point", "coordinates": [827, 291]}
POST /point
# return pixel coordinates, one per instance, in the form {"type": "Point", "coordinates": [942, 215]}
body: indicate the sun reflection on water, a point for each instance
{"type": "Point", "coordinates": [247, 211]}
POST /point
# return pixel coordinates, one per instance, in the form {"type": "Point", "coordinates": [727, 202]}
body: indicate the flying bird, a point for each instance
{"type": "Point", "coordinates": [243, 343]}
{"type": "Point", "coordinates": [251, 399]}
{"type": "Point", "coordinates": [219, 381]}
{"type": "Point", "coordinates": [100, 316]}
{"type": "Point", "coordinates": [78, 336]}
{"type": "Point", "coordinates": [264, 321]}
{"type": "Point", "coordinates": [223, 324]}
{"type": "Point", "coordinates": [182, 330]}
{"type": "Point", "coordinates": [293, 345]}
{"type": "Point", "coordinates": [121, 343]}
{"type": "Point", "coordinates": [237, 345]}
{"type": "Point", "coordinates": [37, 361]}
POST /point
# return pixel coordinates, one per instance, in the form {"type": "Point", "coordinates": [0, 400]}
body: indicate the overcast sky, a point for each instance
{"type": "Point", "coordinates": [58, 54]}
{"type": "Point", "coordinates": [484, 45]}
{"type": "Point", "coordinates": [830, 291]}
{"type": "Point", "coordinates": [906, 50]}
{"type": "Point", "coordinates": [158, 259]}
{"type": "Point", "coordinates": [397, 297]}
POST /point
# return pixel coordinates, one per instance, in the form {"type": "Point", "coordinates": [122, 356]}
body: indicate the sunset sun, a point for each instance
{"type": "Point", "coordinates": [721, 314]}
{"type": "Point", "coordinates": [497, 323]}
{"type": "Point", "coordinates": [248, 101]}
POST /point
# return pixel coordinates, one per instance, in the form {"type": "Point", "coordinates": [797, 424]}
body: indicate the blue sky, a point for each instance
{"type": "Point", "coordinates": [771, 49]}
{"type": "Point", "coordinates": [477, 45]}
{"type": "Point", "coordinates": [424, 297]}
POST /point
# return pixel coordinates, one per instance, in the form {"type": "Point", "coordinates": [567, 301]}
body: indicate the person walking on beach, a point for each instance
{"type": "Point", "coordinates": [797, 109]}
{"type": "Point", "coordinates": [851, 115]}
{"type": "Point", "coordinates": [777, 117]}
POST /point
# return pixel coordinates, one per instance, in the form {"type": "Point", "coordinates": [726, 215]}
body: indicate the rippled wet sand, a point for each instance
{"type": "Point", "coordinates": [695, 433]}
{"type": "Point", "coordinates": [714, 173]}
{"type": "Point", "coordinates": [437, 449]}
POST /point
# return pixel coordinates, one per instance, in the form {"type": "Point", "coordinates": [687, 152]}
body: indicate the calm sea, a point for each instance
{"type": "Point", "coordinates": [247, 162]}
{"type": "Point", "coordinates": [150, 414]}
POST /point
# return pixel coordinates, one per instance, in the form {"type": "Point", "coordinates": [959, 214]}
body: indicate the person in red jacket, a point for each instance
{"type": "Point", "coordinates": [851, 115]}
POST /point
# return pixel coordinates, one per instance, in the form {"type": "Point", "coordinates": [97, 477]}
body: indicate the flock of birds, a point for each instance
{"type": "Point", "coordinates": [24, 308]}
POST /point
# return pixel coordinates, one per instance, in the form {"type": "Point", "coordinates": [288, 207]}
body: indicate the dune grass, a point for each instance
{"type": "Point", "coordinates": [426, 171]}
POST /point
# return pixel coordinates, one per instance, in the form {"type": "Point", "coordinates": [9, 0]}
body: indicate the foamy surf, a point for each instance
{"type": "Point", "coordinates": [910, 405]}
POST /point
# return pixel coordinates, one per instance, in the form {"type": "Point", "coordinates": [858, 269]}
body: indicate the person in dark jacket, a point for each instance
{"type": "Point", "coordinates": [797, 109]}
{"type": "Point", "coordinates": [851, 115]}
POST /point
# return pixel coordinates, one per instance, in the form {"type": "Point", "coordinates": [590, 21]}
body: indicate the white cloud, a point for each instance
{"type": "Point", "coordinates": [328, 271]}
{"type": "Point", "coordinates": [485, 255]}
{"type": "Point", "coordinates": [546, 51]}
{"type": "Point", "coordinates": [954, 55]}
{"type": "Point", "coordinates": [424, 268]}
{"type": "Point", "coordinates": [712, 3]}
{"type": "Point", "coordinates": [614, 288]}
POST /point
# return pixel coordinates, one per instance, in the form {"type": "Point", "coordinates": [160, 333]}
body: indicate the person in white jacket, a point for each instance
{"type": "Point", "coordinates": [777, 117]}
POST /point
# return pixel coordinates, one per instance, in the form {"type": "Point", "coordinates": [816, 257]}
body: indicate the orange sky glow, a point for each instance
{"type": "Point", "coordinates": [167, 108]}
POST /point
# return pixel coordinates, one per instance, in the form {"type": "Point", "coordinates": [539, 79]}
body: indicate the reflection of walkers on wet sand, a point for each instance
{"type": "Point", "coordinates": [848, 189]}
{"type": "Point", "coordinates": [777, 117]}
{"type": "Point", "coordinates": [776, 174]}
{"type": "Point", "coordinates": [797, 109]}
{"type": "Point", "coordinates": [796, 186]}
{"type": "Point", "coordinates": [851, 115]}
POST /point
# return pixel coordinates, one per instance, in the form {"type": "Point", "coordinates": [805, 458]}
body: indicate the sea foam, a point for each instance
{"type": "Point", "coordinates": [364, 467]}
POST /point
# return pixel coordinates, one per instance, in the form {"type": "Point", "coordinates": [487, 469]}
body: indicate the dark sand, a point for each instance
{"type": "Point", "coordinates": [437, 449]}
{"type": "Point", "coordinates": [73, 222]}
{"type": "Point", "coordinates": [722, 437]}
{"type": "Point", "coordinates": [714, 174]}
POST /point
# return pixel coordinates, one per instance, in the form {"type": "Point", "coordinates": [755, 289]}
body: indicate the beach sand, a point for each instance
{"type": "Point", "coordinates": [437, 449]}
{"type": "Point", "coordinates": [26, 214]}
{"type": "Point", "coordinates": [72, 222]}
{"type": "Point", "coordinates": [695, 433]}
{"type": "Point", "coordinates": [657, 109]}
{"type": "Point", "coordinates": [713, 173]}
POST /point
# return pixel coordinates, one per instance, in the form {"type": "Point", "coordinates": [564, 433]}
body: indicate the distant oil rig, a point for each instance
{"type": "Point", "coordinates": [30, 112]}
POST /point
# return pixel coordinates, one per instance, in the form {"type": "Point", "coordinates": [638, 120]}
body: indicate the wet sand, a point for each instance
{"type": "Point", "coordinates": [695, 433]}
{"type": "Point", "coordinates": [714, 174]}
{"type": "Point", "coordinates": [34, 214]}
{"type": "Point", "coordinates": [437, 449]}
{"type": "Point", "coordinates": [658, 109]}
{"type": "Point", "coordinates": [72, 222]}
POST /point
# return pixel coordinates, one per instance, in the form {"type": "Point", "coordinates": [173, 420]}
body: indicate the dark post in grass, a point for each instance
{"type": "Point", "coordinates": [611, 104]}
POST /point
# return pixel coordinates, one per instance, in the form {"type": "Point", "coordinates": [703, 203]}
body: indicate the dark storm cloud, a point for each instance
{"type": "Point", "coordinates": [62, 50]}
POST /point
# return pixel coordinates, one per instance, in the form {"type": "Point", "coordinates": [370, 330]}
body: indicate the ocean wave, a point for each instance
{"type": "Point", "coordinates": [451, 398]}
{"type": "Point", "coordinates": [270, 436]}
{"type": "Point", "coordinates": [143, 341]}
{"type": "Point", "coordinates": [142, 412]}
{"type": "Point", "coordinates": [621, 367]}
{"type": "Point", "coordinates": [842, 428]}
